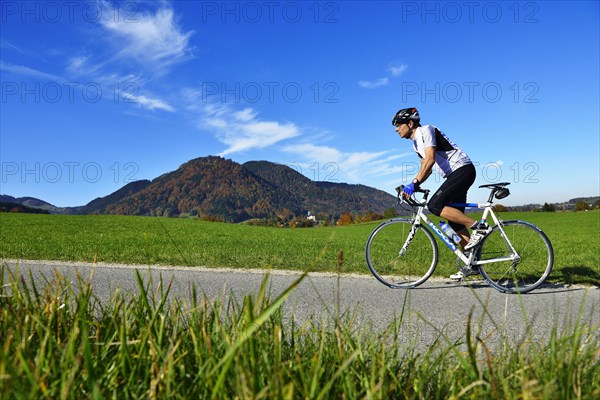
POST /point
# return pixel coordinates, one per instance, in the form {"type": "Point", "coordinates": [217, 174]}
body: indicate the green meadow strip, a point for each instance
{"type": "Point", "coordinates": [191, 242]}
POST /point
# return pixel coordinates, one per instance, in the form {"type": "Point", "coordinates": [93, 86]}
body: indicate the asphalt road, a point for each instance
{"type": "Point", "coordinates": [438, 306]}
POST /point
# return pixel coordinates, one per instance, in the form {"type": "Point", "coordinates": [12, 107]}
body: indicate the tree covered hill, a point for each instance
{"type": "Point", "coordinates": [29, 204]}
{"type": "Point", "coordinates": [322, 198]}
{"type": "Point", "coordinates": [20, 208]}
{"type": "Point", "coordinates": [225, 190]}
{"type": "Point", "coordinates": [101, 203]}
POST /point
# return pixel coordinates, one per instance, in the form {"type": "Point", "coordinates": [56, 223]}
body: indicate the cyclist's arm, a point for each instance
{"type": "Point", "coordinates": [426, 164]}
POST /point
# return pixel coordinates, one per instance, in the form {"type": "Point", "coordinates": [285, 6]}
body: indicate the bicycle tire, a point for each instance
{"type": "Point", "coordinates": [536, 257]}
{"type": "Point", "coordinates": [408, 270]}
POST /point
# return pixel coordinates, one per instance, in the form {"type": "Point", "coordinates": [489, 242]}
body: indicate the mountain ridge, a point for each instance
{"type": "Point", "coordinates": [216, 188]}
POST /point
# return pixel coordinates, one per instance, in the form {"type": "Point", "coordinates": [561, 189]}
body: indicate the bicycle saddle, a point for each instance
{"type": "Point", "coordinates": [496, 185]}
{"type": "Point", "coordinates": [498, 190]}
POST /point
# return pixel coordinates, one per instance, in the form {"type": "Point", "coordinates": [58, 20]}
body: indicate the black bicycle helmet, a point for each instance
{"type": "Point", "coordinates": [406, 114]}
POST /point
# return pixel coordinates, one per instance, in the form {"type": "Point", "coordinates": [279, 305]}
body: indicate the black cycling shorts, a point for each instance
{"type": "Point", "coordinates": [453, 190]}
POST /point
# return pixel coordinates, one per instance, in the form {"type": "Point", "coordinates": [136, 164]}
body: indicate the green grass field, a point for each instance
{"type": "Point", "coordinates": [145, 240]}
{"type": "Point", "coordinates": [59, 341]}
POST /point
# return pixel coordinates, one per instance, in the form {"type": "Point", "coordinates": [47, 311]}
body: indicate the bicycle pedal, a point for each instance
{"type": "Point", "coordinates": [458, 276]}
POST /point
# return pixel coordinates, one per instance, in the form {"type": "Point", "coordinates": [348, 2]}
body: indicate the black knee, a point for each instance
{"type": "Point", "coordinates": [456, 227]}
{"type": "Point", "coordinates": [435, 209]}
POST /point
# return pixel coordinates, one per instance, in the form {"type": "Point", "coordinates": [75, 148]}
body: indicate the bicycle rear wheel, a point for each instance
{"type": "Point", "coordinates": [532, 252]}
{"type": "Point", "coordinates": [400, 254]}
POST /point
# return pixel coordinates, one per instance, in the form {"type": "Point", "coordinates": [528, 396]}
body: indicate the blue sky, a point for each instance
{"type": "Point", "coordinates": [96, 94]}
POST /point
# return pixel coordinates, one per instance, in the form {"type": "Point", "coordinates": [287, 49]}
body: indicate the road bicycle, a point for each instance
{"type": "Point", "coordinates": [513, 257]}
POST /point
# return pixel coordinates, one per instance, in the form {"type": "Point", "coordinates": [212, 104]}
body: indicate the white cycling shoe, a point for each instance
{"type": "Point", "coordinates": [479, 231]}
{"type": "Point", "coordinates": [460, 275]}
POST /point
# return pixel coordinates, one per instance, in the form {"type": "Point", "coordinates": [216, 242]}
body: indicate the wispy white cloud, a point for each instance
{"type": "Point", "coordinates": [149, 103]}
{"type": "Point", "coordinates": [27, 71]}
{"type": "Point", "coordinates": [155, 40]}
{"type": "Point", "coordinates": [255, 134]}
{"type": "Point", "coordinates": [315, 153]}
{"type": "Point", "coordinates": [353, 167]}
{"type": "Point", "coordinates": [374, 84]}
{"type": "Point", "coordinates": [79, 65]}
{"type": "Point", "coordinates": [150, 43]}
{"type": "Point", "coordinates": [76, 63]}
{"type": "Point", "coordinates": [397, 70]}
{"type": "Point", "coordinates": [394, 69]}
{"type": "Point", "coordinates": [246, 115]}
{"type": "Point", "coordinates": [240, 130]}
{"type": "Point", "coordinates": [133, 53]}
{"type": "Point", "coordinates": [5, 44]}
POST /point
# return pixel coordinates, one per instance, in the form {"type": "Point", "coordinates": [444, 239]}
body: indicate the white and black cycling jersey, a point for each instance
{"type": "Point", "coordinates": [448, 156]}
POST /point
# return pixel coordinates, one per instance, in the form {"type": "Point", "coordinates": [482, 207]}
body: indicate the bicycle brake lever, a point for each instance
{"type": "Point", "coordinates": [413, 202]}
{"type": "Point", "coordinates": [399, 196]}
{"type": "Point", "coordinates": [409, 200]}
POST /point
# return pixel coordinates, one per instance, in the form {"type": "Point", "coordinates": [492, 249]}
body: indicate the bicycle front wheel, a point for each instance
{"type": "Point", "coordinates": [528, 252]}
{"type": "Point", "coordinates": [401, 254]}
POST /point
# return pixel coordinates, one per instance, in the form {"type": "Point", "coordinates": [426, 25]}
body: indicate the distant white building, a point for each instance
{"type": "Point", "coordinates": [311, 217]}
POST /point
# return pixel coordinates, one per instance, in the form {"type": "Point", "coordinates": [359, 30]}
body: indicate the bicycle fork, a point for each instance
{"type": "Point", "coordinates": [411, 235]}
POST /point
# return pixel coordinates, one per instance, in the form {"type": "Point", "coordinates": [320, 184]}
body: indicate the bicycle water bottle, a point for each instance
{"type": "Point", "coordinates": [447, 229]}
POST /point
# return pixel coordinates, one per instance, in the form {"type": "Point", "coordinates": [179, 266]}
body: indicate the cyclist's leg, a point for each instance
{"type": "Point", "coordinates": [459, 228]}
{"type": "Point", "coordinates": [454, 189]}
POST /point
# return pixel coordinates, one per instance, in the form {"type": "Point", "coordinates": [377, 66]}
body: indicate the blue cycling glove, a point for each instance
{"type": "Point", "coordinates": [409, 189]}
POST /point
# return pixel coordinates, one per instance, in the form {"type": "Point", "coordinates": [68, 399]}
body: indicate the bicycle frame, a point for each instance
{"type": "Point", "coordinates": [487, 212]}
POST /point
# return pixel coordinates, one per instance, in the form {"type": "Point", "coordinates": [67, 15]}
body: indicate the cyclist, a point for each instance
{"type": "Point", "coordinates": [437, 151]}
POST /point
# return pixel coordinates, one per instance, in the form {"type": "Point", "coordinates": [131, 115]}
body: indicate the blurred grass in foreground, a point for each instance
{"type": "Point", "coordinates": [60, 342]}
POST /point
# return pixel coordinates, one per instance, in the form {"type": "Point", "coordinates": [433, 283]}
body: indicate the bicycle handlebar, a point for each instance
{"type": "Point", "coordinates": [411, 200]}
{"type": "Point", "coordinates": [498, 190]}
